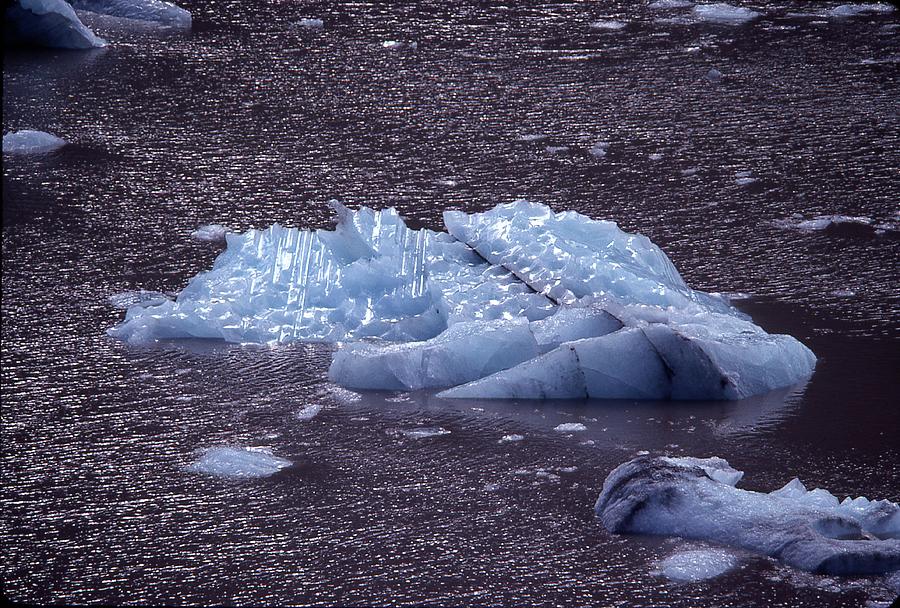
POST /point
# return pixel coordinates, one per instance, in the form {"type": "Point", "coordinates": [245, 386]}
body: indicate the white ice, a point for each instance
{"type": "Point", "coordinates": [599, 149]}
{"type": "Point", "coordinates": [570, 427]}
{"type": "Point", "coordinates": [669, 4]}
{"type": "Point", "coordinates": [820, 222]}
{"type": "Point", "coordinates": [697, 498]}
{"type": "Point", "coordinates": [49, 23]}
{"type": "Point", "coordinates": [854, 10]}
{"type": "Point", "coordinates": [213, 233]}
{"type": "Point", "coordinates": [530, 137]}
{"type": "Point", "coordinates": [156, 11]}
{"type": "Point", "coordinates": [511, 438]}
{"type": "Point", "coordinates": [308, 412]}
{"type": "Point", "coordinates": [396, 45]}
{"type": "Point", "coordinates": [238, 462]}
{"type": "Point", "coordinates": [608, 24]}
{"type": "Point", "coordinates": [423, 432]}
{"type": "Point", "coordinates": [694, 565]}
{"type": "Point", "coordinates": [516, 302]}
{"type": "Point", "coordinates": [27, 141]}
{"type": "Point", "coordinates": [724, 14]}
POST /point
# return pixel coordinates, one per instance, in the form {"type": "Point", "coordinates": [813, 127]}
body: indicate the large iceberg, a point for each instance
{"type": "Point", "coordinates": [515, 302]}
{"type": "Point", "coordinates": [49, 23]}
{"type": "Point", "coordinates": [696, 498]}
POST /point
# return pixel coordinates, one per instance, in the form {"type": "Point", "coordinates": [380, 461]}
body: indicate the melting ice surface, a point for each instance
{"type": "Point", "coordinates": [238, 462]}
{"type": "Point", "coordinates": [27, 141]}
{"type": "Point", "coordinates": [697, 498]}
{"type": "Point", "coordinates": [515, 302]}
{"type": "Point", "coordinates": [157, 11]}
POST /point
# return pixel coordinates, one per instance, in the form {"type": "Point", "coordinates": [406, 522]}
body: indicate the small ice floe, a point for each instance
{"type": "Point", "coordinates": [310, 24]}
{"type": "Point", "coordinates": [661, 5]}
{"type": "Point", "coordinates": [137, 298]}
{"type": "Point", "coordinates": [807, 529]}
{"type": "Point", "coordinates": [308, 412]}
{"type": "Point", "coordinates": [608, 24]}
{"type": "Point", "coordinates": [599, 149]}
{"type": "Point", "coordinates": [724, 14]}
{"type": "Point", "coordinates": [820, 222]}
{"type": "Point", "coordinates": [655, 157]}
{"type": "Point", "coordinates": [556, 149]}
{"type": "Point", "coordinates": [696, 565]}
{"type": "Point", "coordinates": [210, 233]}
{"type": "Point", "coordinates": [689, 172]}
{"type": "Point", "coordinates": [397, 45]}
{"type": "Point", "coordinates": [447, 183]}
{"type": "Point", "coordinates": [570, 427]}
{"type": "Point", "coordinates": [714, 76]}
{"type": "Point", "coordinates": [530, 137]}
{"type": "Point", "coordinates": [855, 10]}
{"type": "Point", "coordinates": [511, 438]}
{"type": "Point", "coordinates": [491, 487]}
{"type": "Point", "coordinates": [238, 462]}
{"type": "Point", "coordinates": [27, 141]}
{"type": "Point", "coordinates": [744, 178]}
{"type": "Point", "coordinates": [421, 432]}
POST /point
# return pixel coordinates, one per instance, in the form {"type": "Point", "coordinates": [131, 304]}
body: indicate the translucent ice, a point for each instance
{"type": "Point", "coordinates": [516, 302]}
{"type": "Point", "coordinates": [49, 23]}
{"type": "Point", "coordinates": [696, 498]}
{"type": "Point", "coordinates": [30, 142]}
{"type": "Point", "coordinates": [213, 233]}
{"type": "Point", "coordinates": [238, 462]}
{"type": "Point", "coordinates": [668, 4]}
{"type": "Point", "coordinates": [314, 24]}
{"type": "Point", "coordinates": [724, 14]}
{"type": "Point", "coordinates": [308, 412]}
{"type": "Point", "coordinates": [608, 24]}
{"type": "Point", "coordinates": [696, 565]}
{"type": "Point", "coordinates": [157, 11]}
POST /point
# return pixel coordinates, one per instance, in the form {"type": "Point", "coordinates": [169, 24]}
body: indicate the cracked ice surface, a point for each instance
{"type": "Point", "coordinates": [517, 302]}
{"type": "Point", "coordinates": [697, 498]}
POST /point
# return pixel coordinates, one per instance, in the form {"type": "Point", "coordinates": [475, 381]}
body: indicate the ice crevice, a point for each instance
{"type": "Point", "coordinates": [515, 302]}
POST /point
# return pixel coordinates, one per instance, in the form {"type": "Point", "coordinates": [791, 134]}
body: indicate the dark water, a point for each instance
{"type": "Point", "coordinates": [249, 120]}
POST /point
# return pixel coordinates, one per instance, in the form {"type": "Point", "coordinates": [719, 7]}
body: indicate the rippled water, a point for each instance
{"type": "Point", "coordinates": [249, 120]}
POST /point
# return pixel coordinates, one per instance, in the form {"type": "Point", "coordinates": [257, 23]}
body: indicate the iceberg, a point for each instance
{"type": "Point", "coordinates": [238, 462]}
{"type": "Point", "coordinates": [27, 141]}
{"type": "Point", "coordinates": [854, 10]}
{"type": "Point", "coordinates": [48, 23]}
{"type": "Point", "coordinates": [156, 11]}
{"type": "Point", "coordinates": [696, 498]}
{"type": "Point", "coordinates": [515, 302]}
{"type": "Point", "coordinates": [724, 14]}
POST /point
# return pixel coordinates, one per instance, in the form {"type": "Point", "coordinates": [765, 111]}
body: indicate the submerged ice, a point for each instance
{"type": "Point", "coordinates": [696, 498]}
{"type": "Point", "coordinates": [516, 302]}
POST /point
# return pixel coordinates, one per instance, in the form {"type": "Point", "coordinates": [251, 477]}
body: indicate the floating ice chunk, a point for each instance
{"type": "Point", "coordinates": [608, 24]}
{"type": "Point", "coordinates": [570, 427]}
{"type": "Point", "coordinates": [599, 149]}
{"type": "Point", "coordinates": [556, 149]}
{"type": "Point", "coordinates": [511, 438]}
{"type": "Point", "coordinates": [716, 468]}
{"type": "Point", "coordinates": [313, 24]}
{"type": "Point", "coordinates": [744, 178]}
{"type": "Point", "coordinates": [724, 14]}
{"type": "Point", "coordinates": [807, 530]}
{"type": "Point", "coordinates": [669, 4]}
{"type": "Point", "coordinates": [238, 462]}
{"type": "Point", "coordinates": [821, 222]}
{"type": "Point", "coordinates": [157, 11]}
{"type": "Point", "coordinates": [696, 565]}
{"type": "Point", "coordinates": [126, 299]}
{"type": "Point", "coordinates": [714, 75]}
{"type": "Point", "coordinates": [49, 23]}
{"type": "Point", "coordinates": [213, 233]}
{"type": "Point", "coordinates": [530, 137]}
{"type": "Point", "coordinates": [655, 157]}
{"type": "Point", "coordinates": [689, 172]}
{"type": "Point", "coordinates": [855, 10]}
{"type": "Point", "coordinates": [27, 141]}
{"type": "Point", "coordinates": [423, 432]}
{"type": "Point", "coordinates": [308, 412]}
{"type": "Point", "coordinates": [396, 45]}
